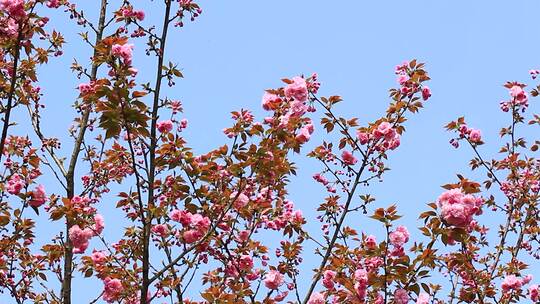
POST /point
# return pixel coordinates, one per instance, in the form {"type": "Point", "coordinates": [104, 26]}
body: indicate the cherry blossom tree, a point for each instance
{"type": "Point", "coordinates": [199, 223]}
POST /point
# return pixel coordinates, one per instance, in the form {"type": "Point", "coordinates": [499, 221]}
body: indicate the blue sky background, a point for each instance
{"type": "Point", "coordinates": [236, 49]}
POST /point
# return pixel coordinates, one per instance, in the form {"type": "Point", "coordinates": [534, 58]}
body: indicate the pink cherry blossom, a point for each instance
{"type": "Point", "coordinates": [80, 237]}
{"type": "Point", "coordinates": [10, 29]}
{"type": "Point", "coordinates": [511, 282]}
{"type": "Point", "coordinates": [320, 178]}
{"type": "Point", "coordinates": [241, 200]}
{"type": "Point", "coordinates": [165, 126]}
{"type": "Point", "coordinates": [371, 242]}
{"type": "Point", "coordinates": [98, 257]}
{"type": "Point", "coordinates": [297, 108]}
{"type": "Point", "coordinates": [112, 290]}
{"type": "Point", "coordinates": [183, 123]}
{"type": "Point", "coordinates": [254, 275]}
{"type": "Point", "coordinates": [297, 90]}
{"type": "Point", "coordinates": [86, 88]}
{"type": "Point", "coordinates": [383, 129]}
{"type": "Point", "coordinates": [245, 262]}
{"type": "Point", "coordinates": [402, 79]}
{"type": "Point", "coordinates": [161, 230]}
{"type": "Point", "coordinates": [464, 130]}
{"type": "Point", "coordinates": [401, 296]}
{"type": "Point", "coordinates": [423, 298]}
{"type": "Point", "coordinates": [139, 15]}
{"type": "Point", "coordinates": [99, 224]}
{"type": "Point", "coordinates": [400, 236]}
{"type": "Point", "coordinates": [270, 101]}
{"type": "Point", "coordinates": [273, 279]}
{"type": "Point", "coordinates": [348, 158]}
{"type": "Point", "coordinates": [475, 136]}
{"type": "Point", "coordinates": [181, 216]}
{"type": "Point", "coordinates": [53, 3]}
{"type": "Point", "coordinates": [176, 106]}
{"type": "Point", "coordinates": [316, 298]}
{"type": "Point", "coordinates": [281, 296]}
{"type": "Point", "coordinates": [519, 94]}
{"type": "Point", "coordinates": [361, 275]}
{"type": "Point", "coordinates": [124, 51]}
{"type": "Point", "coordinates": [534, 293]}
{"type": "Point", "coordinates": [15, 184]}
{"type": "Point", "coordinates": [128, 12]}
{"type": "Point", "coordinates": [305, 133]}
{"type": "Point", "coordinates": [328, 279]}
{"type": "Point", "coordinates": [457, 208]}
{"type": "Point", "coordinates": [192, 236]}
{"type": "Point", "coordinates": [38, 196]}
{"type": "Point", "coordinates": [14, 8]}
{"type": "Point", "coordinates": [133, 72]}
{"type": "Point", "coordinates": [361, 282]}
{"type": "Point", "coordinates": [362, 137]}
{"type": "Point", "coordinates": [200, 222]}
{"type": "Point", "coordinates": [426, 93]}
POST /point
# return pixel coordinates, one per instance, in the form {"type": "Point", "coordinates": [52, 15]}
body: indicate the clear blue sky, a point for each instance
{"type": "Point", "coordinates": [236, 49]}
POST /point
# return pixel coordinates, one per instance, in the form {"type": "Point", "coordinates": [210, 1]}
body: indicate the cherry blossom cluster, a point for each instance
{"type": "Point", "coordinates": [398, 238]}
{"type": "Point", "coordinates": [123, 51]}
{"type": "Point", "coordinates": [534, 293]}
{"type": "Point", "coordinates": [23, 163]}
{"type": "Point", "coordinates": [513, 283]}
{"type": "Point", "coordinates": [408, 85]}
{"type": "Point", "coordinates": [358, 284]}
{"type": "Point", "coordinates": [187, 7]}
{"type": "Point", "coordinates": [474, 136]}
{"type": "Point", "coordinates": [195, 225]}
{"type": "Point", "coordinates": [37, 197]}
{"type": "Point", "coordinates": [324, 181]}
{"type": "Point", "coordinates": [87, 88]}
{"type": "Point", "coordinates": [519, 100]}
{"type": "Point", "coordinates": [165, 126]}
{"type": "Point", "coordinates": [13, 8]}
{"type": "Point", "coordinates": [458, 209]}
{"type": "Point", "coordinates": [527, 183]}
{"type": "Point", "coordinates": [384, 137]}
{"type": "Point", "coordinates": [80, 237]}
{"type": "Point", "coordinates": [206, 211]}
{"type": "Point", "coordinates": [86, 213]}
{"type": "Point", "coordinates": [287, 216]}
{"type": "Point", "coordinates": [273, 279]}
{"type": "Point", "coordinates": [112, 290]}
{"type": "Point", "coordinates": [15, 19]}
{"type": "Point", "coordinates": [290, 108]}
{"type": "Point", "coordinates": [129, 12]}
